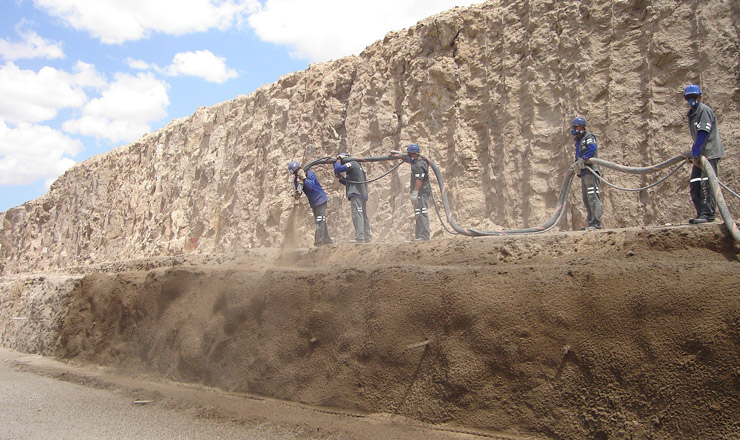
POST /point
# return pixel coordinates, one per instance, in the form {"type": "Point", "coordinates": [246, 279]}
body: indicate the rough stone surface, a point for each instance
{"type": "Point", "coordinates": [487, 91]}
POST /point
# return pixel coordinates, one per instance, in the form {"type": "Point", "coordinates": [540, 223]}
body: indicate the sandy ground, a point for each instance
{"type": "Point", "coordinates": [616, 334]}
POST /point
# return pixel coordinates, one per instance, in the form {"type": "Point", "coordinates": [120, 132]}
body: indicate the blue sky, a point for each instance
{"type": "Point", "coordinates": [80, 77]}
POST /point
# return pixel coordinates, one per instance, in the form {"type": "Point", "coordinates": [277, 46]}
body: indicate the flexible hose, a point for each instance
{"type": "Point", "coordinates": [439, 216]}
{"type": "Point", "coordinates": [598, 176]}
{"type": "Point", "coordinates": [377, 178]}
{"type": "Point", "coordinates": [728, 189]}
{"type": "Point", "coordinates": [720, 199]}
{"type": "Point", "coordinates": [562, 202]}
{"type": "Point", "coordinates": [641, 170]}
{"type": "Point", "coordinates": [329, 160]}
{"type": "Point", "coordinates": [549, 224]}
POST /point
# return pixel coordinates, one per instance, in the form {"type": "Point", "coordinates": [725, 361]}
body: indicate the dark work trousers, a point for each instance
{"type": "Point", "coordinates": [321, 236]}
{"type": "Point", "coordinates": [591, 198]}
{"type": "Point", "coordinates": [360, 219]}
{"type": "Point", "coordinates": [701, 195]}
{"type": "Point", "coordinates": [421, 213]}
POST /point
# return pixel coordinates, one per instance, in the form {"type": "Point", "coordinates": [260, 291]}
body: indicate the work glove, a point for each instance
{"type": "Point", "coordinates": [581, 163]}
{"type": "Point", "coordinates": [414, 196]}
{"type": "Point", "coordinates": [394, 153]}
{"type": "Point", "coordinates": [297, 194]}
{"type": "Point", "coordinates": [301, 174]}
{"type": "Point", "coordinates": [696, 161]}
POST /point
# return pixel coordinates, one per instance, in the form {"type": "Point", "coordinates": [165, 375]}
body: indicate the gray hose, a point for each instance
{"type": "Point", "coordinates": [562, 202]}
{"type": "Point", "coordinates": [549, 224]}
{"type": "Point", "coordinates": [377, 178]}
{"type": "Point", "coordinates": [598, 176]}
{"type": "Point", "coordinates": [721, 204]}
{"type": "Point", "coordinates": [728, 189]}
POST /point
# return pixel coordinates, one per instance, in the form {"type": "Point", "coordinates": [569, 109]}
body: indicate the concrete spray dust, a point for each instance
{"type": "Point", "coordinates": [290, 234]}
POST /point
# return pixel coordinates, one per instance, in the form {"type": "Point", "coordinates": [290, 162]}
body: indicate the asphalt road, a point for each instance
{"type": "Point", "coordinates": [38, 407]}
{"type": "Point", "coordinates": [42, 398]}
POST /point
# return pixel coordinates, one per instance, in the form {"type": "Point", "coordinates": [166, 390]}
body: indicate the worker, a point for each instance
{"type": "Point", "coordinates": [421, 191]}
{"type": "Point", "coordinates": [586, 148]}
{"type": "Point", "coordinates": [707, 143]}
{"type": "Point", "coordinates": [307, 183]}
{"type": "Point", "coordinates": [352, 175]}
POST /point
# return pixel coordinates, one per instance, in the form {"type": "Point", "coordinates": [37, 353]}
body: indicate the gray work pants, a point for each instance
{"type": "Point", "coordinates": [421, 214]}
{"type": "Point", "coordinates": [360, 219]}
{"type": "Point", "coordinates": [321, 236]}
{"type": "Point", "coordinates": [591, 198]}
{"type": "Point", "coordinates": [701, 195]}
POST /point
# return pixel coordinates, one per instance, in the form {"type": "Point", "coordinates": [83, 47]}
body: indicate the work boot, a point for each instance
{"type": "Point", "coordinates": [355, 241]}
{"type": "Point", "coordinates": [701, 219]}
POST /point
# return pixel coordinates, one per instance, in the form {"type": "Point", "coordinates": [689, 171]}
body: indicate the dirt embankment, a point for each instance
{"type": "Point", "coordinates": [618, 334]}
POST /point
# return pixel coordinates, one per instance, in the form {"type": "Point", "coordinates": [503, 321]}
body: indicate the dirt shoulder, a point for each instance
{"type": "Point", "coordinates": [630, 333]}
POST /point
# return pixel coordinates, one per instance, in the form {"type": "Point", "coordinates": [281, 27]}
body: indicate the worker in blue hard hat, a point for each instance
{"type": "Point", "coordinates": [585, 149]}
{"type": "Point", "coordinates": [307, 183]}
{"type": "Point", "coordinates": [707, 143]}
{"type": "Point", "coordinates": [421, 192]}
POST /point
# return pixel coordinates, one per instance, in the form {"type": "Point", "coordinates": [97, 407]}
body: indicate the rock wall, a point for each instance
{"type": "Point", "coordinates": [487, 91]}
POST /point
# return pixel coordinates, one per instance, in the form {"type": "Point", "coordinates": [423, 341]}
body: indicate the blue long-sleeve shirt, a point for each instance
{"type": "Point", "coordinates": [586, 148]}
{"type": "Point", "coordinates": [313, 190]}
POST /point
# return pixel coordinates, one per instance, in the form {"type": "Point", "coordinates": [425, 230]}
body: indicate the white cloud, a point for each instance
{"type": "Point", "coordinates": [116, 21]}
{"type": "Point", "coordinates": [202, 64]}
{"type": "Point", "coordinates": [32, 45]}
{"type": "Point", "coordinates": [124, 109]}
{"type": "Point", "coordinates": [321, 30]}
{"type": "Point", "coordinates": [87, 76]}
{"type": "Point", "coordinates": [138, 64]}
{"type": "Point", "coordinates": [28, 96]}
{"type": "Point", "coordinates": [30, 152]}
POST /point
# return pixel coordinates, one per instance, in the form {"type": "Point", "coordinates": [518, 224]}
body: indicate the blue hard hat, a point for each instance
{"type": "Point", "coordinates": [413, 148]}
{"type": "Point", "coordinates": [293, 166]}
{"type": "Point", "coordinates": [578, 121]}
{"type": "Point", "coordinates": [343, 154]}
{"type": "Point", "coordinates": [692, 89]}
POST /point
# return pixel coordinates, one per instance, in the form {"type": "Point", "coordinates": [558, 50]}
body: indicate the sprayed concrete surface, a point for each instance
{"type": "Point", "coordinates": [629, 333]}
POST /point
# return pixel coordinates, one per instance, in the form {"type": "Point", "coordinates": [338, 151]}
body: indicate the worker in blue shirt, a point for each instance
{"type": "Point", "coordinates": [586, 148]}
{"type": "Point", "coordinates": [307, 183]}
{"type": "Point", "coordinates": [707, 143]}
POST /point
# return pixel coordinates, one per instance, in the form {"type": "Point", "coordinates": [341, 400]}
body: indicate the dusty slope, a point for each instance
{"type": "Point", "coordinates": [618, 334]}
{"type": "Point", "coordinates": [489, 91]}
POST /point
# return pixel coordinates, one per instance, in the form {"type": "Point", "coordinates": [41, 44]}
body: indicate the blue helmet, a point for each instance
{"type": "Point", "coordinates": [413, 148]}
{"type": "Point", "coordinates": [578, 121]}
{"type": "Point", "coordinates": [343, 155]}
{"type": "Point", "coordinates": [691, 89]}
{"type": "Point", "coordinates": [293, 166]}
